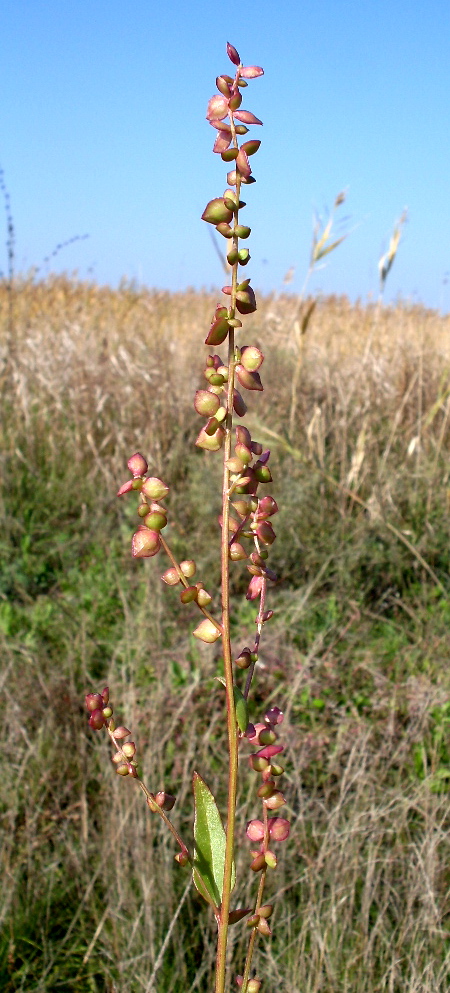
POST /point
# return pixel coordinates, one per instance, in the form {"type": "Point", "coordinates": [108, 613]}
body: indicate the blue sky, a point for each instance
{"type": "Point", "coordinates": [103, 132]}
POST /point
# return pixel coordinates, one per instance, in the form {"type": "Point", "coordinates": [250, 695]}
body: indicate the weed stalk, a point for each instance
{"type": "Point", "coordinates": [246, 536]}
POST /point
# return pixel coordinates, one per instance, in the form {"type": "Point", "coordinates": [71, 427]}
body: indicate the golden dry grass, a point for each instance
{"type": "Point", "coordinates": [358, 656]}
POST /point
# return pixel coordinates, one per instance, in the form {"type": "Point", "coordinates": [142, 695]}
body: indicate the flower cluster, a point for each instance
{"type": "Point", "coordinates": [270, 829]}
{"type": "Point", "coordinates": [146, 541]}
{"type": "Point", "coordinates": [101, 715]}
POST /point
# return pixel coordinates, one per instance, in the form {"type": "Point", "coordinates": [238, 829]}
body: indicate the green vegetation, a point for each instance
{"type": "Point", "coordinates": [358, 649]}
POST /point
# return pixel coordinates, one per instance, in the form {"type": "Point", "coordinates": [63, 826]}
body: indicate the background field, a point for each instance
{"type": "Point", "coordinates": [357, 654]}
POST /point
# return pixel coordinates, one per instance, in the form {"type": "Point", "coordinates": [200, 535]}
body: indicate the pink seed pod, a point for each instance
{"type": "Point", "coordinates": [164, 800]}
{"type": "Point", "coordinates": [254, 588]}
{"type": "Point", "coordinates": [255, 830]}
{"type": "Point", "coordinates": [233, 54]}
{"type": "Point", "coordinates": [120, 733]}
{"type": "Point", "coordinates": [137, 465]}
{"type": "Point", "coordinates": [97, 720]}
{"type": "Point", "coordinates": [266, 508]}
{"type": "Point", "coordinates": [217, 108]}
{"type": "Point", "coordinates": [274, 716]}
{"type": "Point", "coordinates": [170, 577]}
{"type": "Point", "coordinates": [145, 543]}
{"type": "Point", "coordinates": [275, 801]}
{"type": "Point", "coordinates": [279, 828]}
{"type": "Point", "coordinates": [269, 751]}
{"type": "Point", "coordinates": [251, 72]}
{"type": "Point", "coordinates": [246, 117]}
{"type": "Point", "coordinates": [125, 488]}
{"type": "Point", "coordinates": [249, 380]}
{"type": "Point", "coordinates": [94, 701]}
{"type": "Point", "coordinates": [239, 404]}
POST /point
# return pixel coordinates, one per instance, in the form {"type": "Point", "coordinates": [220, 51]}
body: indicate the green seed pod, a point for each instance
{"type": "Point", "coordinates": [216, 212]}
{"type": "Point", "coordinates": [223, 86]}
{"type": "Point", "coordinates": [188, 568]}
{"type": "Point", "coordinates": [237, 552]}
{"type": "Point", "coordinates": [206, 404]}
{"type": "Point", "coordinates": [235, 101]}
{"type": "Point", "coordinates": [129, 749]}
{"type": "Point", "coordinates": [143, 510]}
{"type": "Point", "coordinates": [241, 129]}
{"type": "Point", "coordinates": [154, 488]}
{"type": "Point", "coordinates": [243, 453]}
{"type": "Point", "coordinates": [235, 465]}
{"type": "Point", "coordinates": [155, 520]}
{"type": "Point", "coordinates": [263, 473]}
{"type": "Point", "coordinates": [229, 155]}
{"type": "Point", "coordinates": [204, 598]}
{"type": "Point", "coordinates": [271, 860]}
{"type": "Point", "coordinates": [224, 230]}
{"type": "Point", "coordinates": [243, 256]}
{"type": "Point", "coordinates": [207, 632]}
{"type": "Point", "coordinates": [251, 358]}
{"type": "Point", "coordinates": [258, 763]}
{"type": "Point", "coordinates": [242, 231]}
{"type": "Point", "coordinates": [267, 737]}
{"type": "Point", "coordinates": [233, 256]}
{"type": "Point", "coordinates": [211, 443]}
{"type": "Point", "coordinates": [250, 147]}
{"type": "Point", "coordinates": [276, 770]}
{"type": "Point", "coordinates": [243, 660]}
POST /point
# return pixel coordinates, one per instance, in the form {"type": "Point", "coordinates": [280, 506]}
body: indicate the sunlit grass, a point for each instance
{"type": "Point", "coordinates": [357, 653]}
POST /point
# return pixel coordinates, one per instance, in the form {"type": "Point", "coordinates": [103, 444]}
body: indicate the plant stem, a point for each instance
{"type": "Point", "coordinates": [226, 644]}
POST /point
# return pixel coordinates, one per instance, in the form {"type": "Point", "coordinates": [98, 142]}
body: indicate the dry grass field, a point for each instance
{"type": "Point", "coordinates": [356, 411]}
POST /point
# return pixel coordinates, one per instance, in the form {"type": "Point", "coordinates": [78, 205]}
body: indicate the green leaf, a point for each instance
{"type": "Point", "coordinates": [209, 838]}
{"type": "Point", "coordinates": [241, 708]}
{"type": "Point", "coordinates": [240, 705]}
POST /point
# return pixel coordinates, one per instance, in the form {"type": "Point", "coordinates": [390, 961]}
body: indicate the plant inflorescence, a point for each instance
{"type": "Point", "coordinates": [247, 535]}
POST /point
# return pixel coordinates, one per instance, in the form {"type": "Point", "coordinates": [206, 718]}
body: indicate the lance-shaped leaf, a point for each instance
{"type": "Point", "coordinates": [210, 842]}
